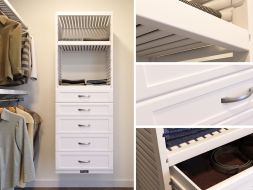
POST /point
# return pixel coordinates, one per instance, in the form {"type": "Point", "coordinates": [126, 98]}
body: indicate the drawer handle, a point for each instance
{"type": "Point", "coordinates": [86, 144]}
{"type": "Point", "coordinates": [237, 99]}
{"type": "Point", "coordinates": [83, 162]}
{"type": "Point", "coordinates": [86, 110]}
{"type": "Point", "coordinates": [80, 125]}
{"type": "Point", "coordinates": [83, 96]}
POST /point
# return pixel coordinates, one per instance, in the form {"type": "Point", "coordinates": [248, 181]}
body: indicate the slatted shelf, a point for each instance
{"type": "Point", "coordinates": [179, 28]}
{"type": "Point", "coordinates": [7, 9]}
{"type": "Point", "coordinates": [84, 27]}
{"type": "Point", "coordinates": [205, 143]}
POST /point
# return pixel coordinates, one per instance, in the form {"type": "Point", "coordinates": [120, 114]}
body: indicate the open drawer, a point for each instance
{"type": "Point", "coordinates": [242, 181]}
{"type": "Point", "coordinates": [198, 173]}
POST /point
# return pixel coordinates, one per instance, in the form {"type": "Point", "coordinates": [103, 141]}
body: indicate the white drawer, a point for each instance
{"type": "Point", "coordinates": [154, 80]}
{"type": "Point", "coordinates": [200, 104]}
{"type": "Point", "coordinates": [89, 109]}
{"type": "Point", "coordinates": [242, 181]}
{"type": "Point", "coordinates": [244, 118]}
{"type": "Point", "coordinates": [84, 161]}
{"type": "Point", "coordinates": [84, 97]}
{"type": "Point", "coordinates": [95, 142]}
{"type": "Point", "coordinates": [83, 125]}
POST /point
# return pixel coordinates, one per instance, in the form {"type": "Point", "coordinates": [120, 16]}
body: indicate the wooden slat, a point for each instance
{"type": "Point", "coordinates": [159, 42]}
{"type": "Point", "coordinates": [144, 30]}
{"type": "Point", "coordinates": [147, 143]}
{"type": "Point", "coordinates": [165, 47]}
{"type": "Point", "coordinates": [151, 36]}
{"type": "Point", "coordinates": [148, 166]}
{"type": "Point", "coordinates": [180, 49]}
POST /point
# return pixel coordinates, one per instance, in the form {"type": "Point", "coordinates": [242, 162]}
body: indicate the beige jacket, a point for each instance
{"type": "Point", "coordinates": [10, 48]}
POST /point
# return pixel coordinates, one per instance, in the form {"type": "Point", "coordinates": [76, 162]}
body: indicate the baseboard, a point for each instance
{"type": "Point", "coordinates": [84, 183]}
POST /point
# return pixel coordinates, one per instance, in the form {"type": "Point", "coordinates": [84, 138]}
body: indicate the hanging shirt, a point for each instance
{"type": "Point", "coordinates": [37, 124]}
{"type": "Point", "coordinates": [30, 125]}
{"type": "Point", "coordinates": [15, 150]}
{"type": "Point", "coordinates": [10, 50]}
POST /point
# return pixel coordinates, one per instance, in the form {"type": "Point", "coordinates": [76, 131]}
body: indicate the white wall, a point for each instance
{"type": "Point", "coordinates": [40, 18]}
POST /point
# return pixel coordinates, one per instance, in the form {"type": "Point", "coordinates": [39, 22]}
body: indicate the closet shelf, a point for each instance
{"type": "Point", "coordinates": [98, 48]}
{"type": "Point", "coordinates": [84, 27]}
{"type": "Point", "coordinates": [10, 12]}
{"type": "Point", "coordinates": [169, 27]}
{"type": "Point", "coordinates": [193, 148]}
{"type": "Point", "coordinates": [83, 43]}
{"type": "Point", "coordinates": [13, 92]}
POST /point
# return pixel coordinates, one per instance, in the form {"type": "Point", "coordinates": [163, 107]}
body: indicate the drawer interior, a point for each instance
{"type": "Point", "coordinates": [200, 172]}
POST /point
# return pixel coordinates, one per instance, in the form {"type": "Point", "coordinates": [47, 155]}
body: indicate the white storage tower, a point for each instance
{"type": "Point", "coordinates": [84, 113]}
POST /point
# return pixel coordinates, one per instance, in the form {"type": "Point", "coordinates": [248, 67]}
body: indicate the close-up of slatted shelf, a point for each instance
{"type": "Point", "coordinates": [180, 32]}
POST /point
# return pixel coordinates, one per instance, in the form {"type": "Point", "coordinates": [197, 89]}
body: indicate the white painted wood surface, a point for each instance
{"type": "Point", "coordinates": [241, 180]}
{"type": "Point", "coordinates": [84, 113]}
{"type": "Point", "coordinates": [159, 32]}
{"type": "Point", "coordinates": [192, 102]}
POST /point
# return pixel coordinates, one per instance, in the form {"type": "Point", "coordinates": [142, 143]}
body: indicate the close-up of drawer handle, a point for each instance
{"type": "Point", "coordinates": [83, 162]}
{"type": "Point", "coordinates": [83, 96]}
{"type": "Point", "coordinates": [237, 99]}
{"type": "Point", "coordinates": [86, 144]}
{"type": "Point", "coordinates": [80, 125]}
{"type": "Point", "coordinates": [85, 110]}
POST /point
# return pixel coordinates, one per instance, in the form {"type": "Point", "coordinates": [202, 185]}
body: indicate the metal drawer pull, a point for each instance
{"type": "Point", "coordinates": [87, 110]}
{"type": "Point", "coordinates": [237, 99]}
{"type": "Point", "coordinates": [80, 125]}
{"type": "Point", "coordinates": [83, 96]}
{"type": "Point", "coordinates": [80, 143]}
{"type": "Point", "coordinates": [83, 162]}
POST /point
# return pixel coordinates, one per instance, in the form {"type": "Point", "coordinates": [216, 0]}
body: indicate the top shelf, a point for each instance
{"type": "Point", "coordinates": [10, 12]}
{"type": "Point", "coordinates": [206, 143]}
{"type": "Point", "coordinates": [192, 27]}
{"type": "Point", "coordinates": [84, 27]}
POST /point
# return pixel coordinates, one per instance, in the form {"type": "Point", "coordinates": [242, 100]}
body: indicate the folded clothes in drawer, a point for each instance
{"type": "Point", "coordinates": [177, 136]}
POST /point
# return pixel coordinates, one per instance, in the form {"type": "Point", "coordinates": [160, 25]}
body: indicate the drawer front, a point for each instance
{"type": "Point", "coordinates": [198, 105]}
{"type": "Point", "coordinates": [82, 125]}
{"type": "Point", "coordinates": [244, 118]}
{"type": "Point", "coordinates": [80, 161]}
{"type": "Point", "coordinates": [84, 97]}
{"type": "Point", "coordinates": [68, 109]}
{"type": "Point", "coordinates": [154, 80]}
{"type": "Point", "coordinates": [242, 180]}
{"type": "Point", "coordinates": [96, 142]}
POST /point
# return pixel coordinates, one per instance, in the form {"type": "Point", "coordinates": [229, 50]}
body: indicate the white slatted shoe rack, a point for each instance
{"type": "Point", "coordinates": [175, 31]}
{"type": "Point", "coordinates": [156, 165]}
{"type": "Point", "coordinates": [84, 113]}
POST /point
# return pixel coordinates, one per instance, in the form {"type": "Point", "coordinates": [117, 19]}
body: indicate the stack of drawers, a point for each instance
{"type": "Point", "coordinates": [84, 132]}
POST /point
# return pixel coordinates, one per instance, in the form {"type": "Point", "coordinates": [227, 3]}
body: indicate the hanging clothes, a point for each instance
{"type": "Point", "coordinates": [17, 54]}
{"type": "Point", "coordinates": [16, 155]}
{"type": "Point", "coordinates": [10, 52]}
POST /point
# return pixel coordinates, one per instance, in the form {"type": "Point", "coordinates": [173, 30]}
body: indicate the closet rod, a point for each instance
{"type": "Point", "coordinates": [12, 100]}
